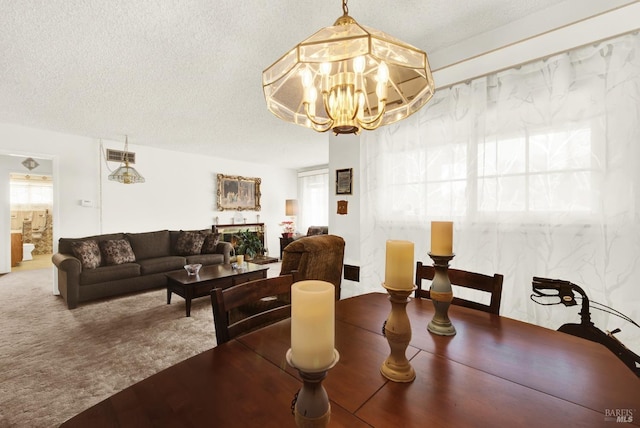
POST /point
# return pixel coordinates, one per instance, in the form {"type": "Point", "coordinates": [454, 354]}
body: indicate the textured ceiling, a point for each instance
{"type": "Point", "coordinates": [186, 74]}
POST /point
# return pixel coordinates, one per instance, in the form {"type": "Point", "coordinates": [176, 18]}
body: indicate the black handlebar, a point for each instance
{"type": "Point", "coordinates": [586, 329]}
{"type": "Point", "coordinates": [564, 288]}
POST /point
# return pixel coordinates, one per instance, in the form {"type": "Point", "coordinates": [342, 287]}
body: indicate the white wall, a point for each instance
{"type": "Point", "coordinates": [564, 13]}
{"type": "Point", "coordinates": [75, 176]}
{"type": "Point", "coordinates": [344, 152]}
{"type": "Point", "coordinates": [179, 192]}
{"type": "Point", "coordinates": [523, 40]}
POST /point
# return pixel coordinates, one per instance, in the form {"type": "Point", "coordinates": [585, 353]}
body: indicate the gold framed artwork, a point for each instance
{"type": "Point", "coordinates": [238, 193]}
{"type": "Point", "coordinates": [344, 180]}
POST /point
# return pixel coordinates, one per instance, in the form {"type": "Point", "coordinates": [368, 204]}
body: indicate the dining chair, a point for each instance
{"type": "Point", "coordinates": [250, 305]}
{"type": "Point", "coordinates": [461, 278]}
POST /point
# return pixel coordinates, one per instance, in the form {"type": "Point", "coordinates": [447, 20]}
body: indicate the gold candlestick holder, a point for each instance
{"type": "Point", "coordinates": [441, 295]}
{"type": "Point", "coordinates": [397, 330]}
{"type": "Point", "coordinates": [311, 407]}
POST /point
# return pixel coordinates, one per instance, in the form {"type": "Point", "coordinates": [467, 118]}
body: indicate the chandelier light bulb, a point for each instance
{"type": "Point", "coordinates": [325, 68]}
{"type": "Point", "coordinates": [307, 79]}
{"type": "Point", "coordinates": [383, 73]}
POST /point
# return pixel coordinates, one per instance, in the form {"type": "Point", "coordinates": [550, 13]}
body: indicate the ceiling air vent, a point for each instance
{"type": "Point", "coordinates": [118, 156]}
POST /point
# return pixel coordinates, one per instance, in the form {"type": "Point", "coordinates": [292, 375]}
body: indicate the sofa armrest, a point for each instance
{"type": "Point", "coordinates": [225, 248]}
{"type": "Point", "coordinates": [69, 269]}
{"type": "Point", "coordinates": [67, 262]}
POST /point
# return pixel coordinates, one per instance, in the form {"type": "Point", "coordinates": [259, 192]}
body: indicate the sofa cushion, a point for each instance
{"type": "Point", "coordinates": [161, 264]}
{"type": "Point", "coordinates": [88, 252]}
{"type": "Point", "coordinates": [210, 243]}
{"type": "Point", "coordinates": [117, 252]}
{"type": "Point", "coordinates": [149, 245]}
{"type": "Point", "coordinates": [189, 243]}
{"type": "Point", "coordinates": [64, 244]}
{"type": "Point", "coordinates": [109, 273]}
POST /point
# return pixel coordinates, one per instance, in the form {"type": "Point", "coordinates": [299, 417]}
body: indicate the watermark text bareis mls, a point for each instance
{"type": "Point", "coordinates": [619, 415]}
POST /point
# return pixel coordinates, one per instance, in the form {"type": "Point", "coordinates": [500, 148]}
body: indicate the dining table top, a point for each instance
{"type": "Point", "coordinates": [496, 371]}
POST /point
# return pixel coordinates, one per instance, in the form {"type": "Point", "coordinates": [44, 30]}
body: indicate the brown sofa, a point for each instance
{"type": "Point", "coordinates": [108, 265]}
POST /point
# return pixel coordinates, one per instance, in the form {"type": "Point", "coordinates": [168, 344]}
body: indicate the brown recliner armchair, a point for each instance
{"type": "Point", "coordinates": [315, 257]}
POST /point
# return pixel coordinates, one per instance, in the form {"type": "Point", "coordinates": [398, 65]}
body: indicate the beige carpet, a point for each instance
{"type": "Point", "coordinates": [54, 363]}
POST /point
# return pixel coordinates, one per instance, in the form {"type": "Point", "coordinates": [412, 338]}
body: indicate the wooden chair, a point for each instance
{"type": "Point", "coordinates": [477, 281]}
{"type": "Point", "coordinates": [250, 305]}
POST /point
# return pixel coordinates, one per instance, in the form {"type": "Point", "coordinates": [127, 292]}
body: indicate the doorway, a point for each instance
{"type": "Point", "coordinates": [31, 200]}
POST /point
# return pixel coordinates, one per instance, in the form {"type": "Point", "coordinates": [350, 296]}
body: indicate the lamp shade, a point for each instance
{"type": "Point", "coordinates": [127, 175]}
{"type": "Point", "coordinates": [291, 207]}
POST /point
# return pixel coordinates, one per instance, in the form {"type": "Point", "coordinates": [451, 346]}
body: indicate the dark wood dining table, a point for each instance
{"type": "Point", "coordinates": [495, 371]}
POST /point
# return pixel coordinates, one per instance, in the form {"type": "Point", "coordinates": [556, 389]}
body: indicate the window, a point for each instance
{"type": "Point", "coordinates": [313, 197]}
{"type": "Point", "coordinates": [31, 191]}
{"type": "Point", "coordinates": [543, 172]}
{"type": "Point", "coordinates": [481, 153]}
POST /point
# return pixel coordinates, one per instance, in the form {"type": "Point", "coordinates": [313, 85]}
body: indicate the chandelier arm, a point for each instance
{"type": "Point", "coordinates": [373, 124]}
{"type": "Point", "coordinates": [370, 126]}
{"type": "Point", "coordinates": [327, 109]}
{"type": "Point", "coordinates": [319, 128]}
{"type": "Point", "coordinates": [356, 96]}
{"type": "Point", "coordinates": [313, 119]}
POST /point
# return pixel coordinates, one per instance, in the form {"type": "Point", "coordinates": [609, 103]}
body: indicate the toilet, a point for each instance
{"type": "Point", "coordinates": [26, 251]}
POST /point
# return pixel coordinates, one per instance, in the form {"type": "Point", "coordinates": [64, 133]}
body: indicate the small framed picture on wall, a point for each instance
{"type": "Point", "coordinates": [344, 181]}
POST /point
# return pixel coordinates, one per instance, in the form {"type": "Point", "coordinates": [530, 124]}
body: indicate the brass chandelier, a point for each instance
{"type": "Point", "coordinates": [348, 77]}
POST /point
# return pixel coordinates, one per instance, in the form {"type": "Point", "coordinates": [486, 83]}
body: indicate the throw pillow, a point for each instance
{"type": "Point", "coordinates": [210, 243]}
{"type": "Point", "coordinates": [189, 243]}
{"type": "Point", "coordinates": [117, 251]}
{"type": "Point", "coordinates": [88, 253]}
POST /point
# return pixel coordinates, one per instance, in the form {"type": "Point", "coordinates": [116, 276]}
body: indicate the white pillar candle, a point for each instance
{"type": "Point", "coordinates": [442, 238]}
{"type": "Point", "coordinates": [240, 259]}
{"type": "Point", "coordinates": [312, 324]}
{"type": "Point", "coordinates": [398, 271]}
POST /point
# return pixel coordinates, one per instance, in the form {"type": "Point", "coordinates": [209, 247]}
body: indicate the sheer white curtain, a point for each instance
{"type": "Point", "coordinates": [538, 166]}
{"type": "Point", "coordinates": [313, 199]}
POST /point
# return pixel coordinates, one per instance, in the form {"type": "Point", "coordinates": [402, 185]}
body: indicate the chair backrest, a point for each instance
{"type": "Point", "coordinates": [477, 281]}
{"type": "Point", "coordinates": [250, 305]}
{"type": "Point", "coordinates": [317, 230]}
{"type": "Point", "coordinates": [318, 257]}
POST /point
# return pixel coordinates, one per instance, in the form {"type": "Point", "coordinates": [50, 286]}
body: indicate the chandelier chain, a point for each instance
{"type": "Point", "coordinates": [345, 8]}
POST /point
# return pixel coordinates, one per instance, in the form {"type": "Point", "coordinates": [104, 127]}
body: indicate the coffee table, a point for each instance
{"type": "Point", "coordinates": [210, 277]}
